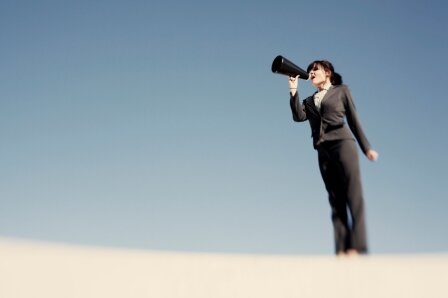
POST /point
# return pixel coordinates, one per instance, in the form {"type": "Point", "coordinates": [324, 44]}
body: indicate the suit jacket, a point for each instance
{"type": "Point", "coordinates": [328, 124]}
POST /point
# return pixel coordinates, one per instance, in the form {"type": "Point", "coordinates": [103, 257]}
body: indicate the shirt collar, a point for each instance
{"type": "Point", "coordinates": [326, 87]}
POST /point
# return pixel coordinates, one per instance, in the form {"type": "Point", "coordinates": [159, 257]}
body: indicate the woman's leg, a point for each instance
{"type": "Point", "coordinates": [330, 175]}
{"type": "Point", "coordinates": [350, 171]}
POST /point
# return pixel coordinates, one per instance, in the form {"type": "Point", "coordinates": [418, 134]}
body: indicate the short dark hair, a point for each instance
{"type": "Point", "coordinates": [335, 78]}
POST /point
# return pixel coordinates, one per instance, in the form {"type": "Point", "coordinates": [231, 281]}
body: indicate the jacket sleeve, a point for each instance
{"type": "Point", "coordinates": [297, 108]}
{"type": "Point", "coordinates": [354, 123]}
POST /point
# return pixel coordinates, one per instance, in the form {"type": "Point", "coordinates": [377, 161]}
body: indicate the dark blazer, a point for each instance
{"type": "Point", "coordinates": [328, 124]}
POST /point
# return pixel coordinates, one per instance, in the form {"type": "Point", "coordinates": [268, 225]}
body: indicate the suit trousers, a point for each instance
{"type": "Point", "coordinates": [339, 167]}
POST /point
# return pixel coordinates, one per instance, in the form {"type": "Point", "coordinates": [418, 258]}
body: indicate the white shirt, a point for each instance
{"type": "Point", "coordinates": [320, 95]}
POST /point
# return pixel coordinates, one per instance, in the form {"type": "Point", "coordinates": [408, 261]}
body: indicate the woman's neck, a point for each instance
{"type": "Point", "coordinates": [324, 86]}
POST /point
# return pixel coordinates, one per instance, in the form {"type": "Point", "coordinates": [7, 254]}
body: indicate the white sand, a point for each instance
{"type": "Point", "coordinates": [35, 270]}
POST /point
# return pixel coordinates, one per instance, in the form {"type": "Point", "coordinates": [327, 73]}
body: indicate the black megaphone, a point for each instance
{"type": "Point", "coordinates": [283, 66]}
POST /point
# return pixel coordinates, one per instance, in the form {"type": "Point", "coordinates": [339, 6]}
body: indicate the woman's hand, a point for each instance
{"type": "Point", "coordinates": [293, 83]}
{"type": "Point", "coordinates": [372, 155]}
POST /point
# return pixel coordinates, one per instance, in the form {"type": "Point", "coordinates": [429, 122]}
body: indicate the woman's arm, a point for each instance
{"type": "Point", "coordinates": [355, 126]}
{"type": "Point", "coordinates": [298, 109]}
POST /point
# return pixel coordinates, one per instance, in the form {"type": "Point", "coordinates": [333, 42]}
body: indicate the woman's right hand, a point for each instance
{"type": "Point", "coordinates": [293, 83]}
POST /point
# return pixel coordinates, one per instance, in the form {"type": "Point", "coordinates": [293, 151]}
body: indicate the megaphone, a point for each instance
{"type": "Point", "coordinates": [283, 66]}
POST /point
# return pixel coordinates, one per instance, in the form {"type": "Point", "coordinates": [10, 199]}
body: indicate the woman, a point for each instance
{"type": "Point", "coordinates": [326, 110]}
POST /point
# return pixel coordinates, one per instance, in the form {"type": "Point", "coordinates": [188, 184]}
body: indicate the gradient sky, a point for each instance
{"type": "Point", "coordinates": [159, 124]}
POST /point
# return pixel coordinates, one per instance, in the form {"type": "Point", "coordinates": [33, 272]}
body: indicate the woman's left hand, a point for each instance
{"type": "Point", "coordinates": [372, 155]}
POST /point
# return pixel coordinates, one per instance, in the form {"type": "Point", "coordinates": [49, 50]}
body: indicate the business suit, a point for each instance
{"type": "Point", "coordinates": [338, 160]}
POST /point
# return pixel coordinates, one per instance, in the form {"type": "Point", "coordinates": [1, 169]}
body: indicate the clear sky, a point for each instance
{"type": "Point", "coordinates": [159, 124]}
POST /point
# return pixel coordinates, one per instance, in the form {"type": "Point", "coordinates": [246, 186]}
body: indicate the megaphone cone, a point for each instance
{"type": "Point", "coordinates": [283, 66]}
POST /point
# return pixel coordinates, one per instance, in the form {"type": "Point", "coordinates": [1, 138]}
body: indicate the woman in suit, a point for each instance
{"type": "Point", "coordinates": [326, 111]}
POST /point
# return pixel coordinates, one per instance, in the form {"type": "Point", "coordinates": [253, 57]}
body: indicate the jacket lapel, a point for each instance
{"type": "Point", "coordinates": [329, 91]}
{"type": "Point", "coordinates": [312, 105]}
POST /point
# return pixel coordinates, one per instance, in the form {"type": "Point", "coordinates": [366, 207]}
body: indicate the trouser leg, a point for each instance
{"type": "Point", "coordinates": [349, 163]}
{"type": "Point", "coordinates": [337, 202]}
{"type": "Point", "coordinates": [339, 166]}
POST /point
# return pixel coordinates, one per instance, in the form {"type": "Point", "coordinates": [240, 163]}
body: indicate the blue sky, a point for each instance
{"type": "Point", "coordinates": [159, 124]}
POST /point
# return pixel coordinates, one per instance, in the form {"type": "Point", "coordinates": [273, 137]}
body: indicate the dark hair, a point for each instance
{"type": "Point", "coordinates": [335, 78]}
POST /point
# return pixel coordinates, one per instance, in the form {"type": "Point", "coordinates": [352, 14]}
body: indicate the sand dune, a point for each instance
{"type": "Point", "coordinates": [34, 270]}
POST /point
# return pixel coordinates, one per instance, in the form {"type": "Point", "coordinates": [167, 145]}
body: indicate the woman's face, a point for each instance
{"type": "Point", "coordinates": [318, 76]}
